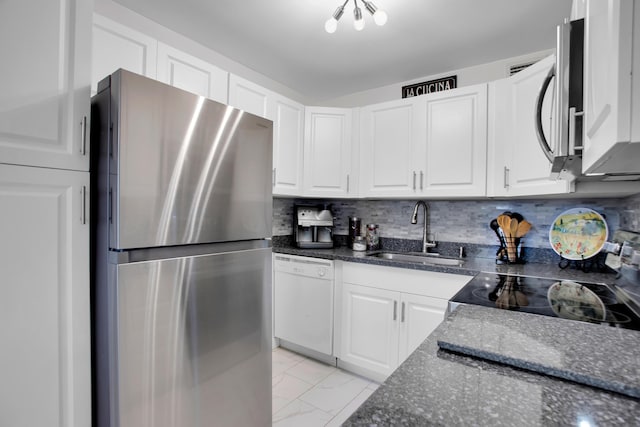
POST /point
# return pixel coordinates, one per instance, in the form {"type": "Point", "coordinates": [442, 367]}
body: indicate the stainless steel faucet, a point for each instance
{"type": "Point", "coordinates": [426, 244]}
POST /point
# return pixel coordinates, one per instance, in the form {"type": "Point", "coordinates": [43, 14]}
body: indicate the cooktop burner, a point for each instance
{"type": "Point", "coordinates": [587, 302]}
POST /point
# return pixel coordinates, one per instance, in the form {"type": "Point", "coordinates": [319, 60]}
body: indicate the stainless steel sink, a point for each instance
{"type": "Point", "coordinates": [419, 258]}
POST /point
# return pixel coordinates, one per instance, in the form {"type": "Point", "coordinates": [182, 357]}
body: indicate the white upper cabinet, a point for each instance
{"type": "Point", "coordinates": [327, 152]}
{"type": "Point", "coordinates": [612, 87]}
{"type": "Point", "coordinates": [432, 146]}
{"type": "Point", "coordinates": [116, 46]}
{"type": "Point", "coordinates": [45, 88]}
{"type": "Point", "coordinates": [389, 142]}
{"type": "Point", "coordinates": [288, 130]}
{"type": "Point", "coordinates": [288, 135]}
{"type": "Point", "coordinates": [516, 164]}
{"type": "Point", "coordinates": [189, 73]}
{"type": "Point", "coordinates": [45, 328]}
{"type": "Point", "coordinates": [250, 97]}
{"type": "Point", "coordinates": [454, 161]}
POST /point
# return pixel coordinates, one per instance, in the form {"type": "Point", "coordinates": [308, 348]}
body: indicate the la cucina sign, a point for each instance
{"type": "Point", "coordinates": [430, 86]}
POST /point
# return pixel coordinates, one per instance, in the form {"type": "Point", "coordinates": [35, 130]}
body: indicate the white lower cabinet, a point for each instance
{"type": "Point", "coordinates": [369, 328]}
{"type": "Point", "coordinates": [45, 328]}
{"type": "Point", "coordinates": [384, 313]}
{"type": "Point", "coordinates": [419, 316]}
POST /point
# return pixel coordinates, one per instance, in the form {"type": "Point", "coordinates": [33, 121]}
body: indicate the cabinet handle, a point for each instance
{"type": "Point", "coordinates": [347, 183]}
{"type": "Point", "coordinates": [273, 178]}
{"type": "Point", "coordinates": [395, 310]}
{"type": "Point", "coordinates": [414, 180]}
{"type": "Point", "coordinates": [83, 136]}
{"type": "Point", "coordinates": [421, 180]}
{"type": "Point", "coordinates": [402, 313]}
{"type": "Point", "coordinates": [506, 177]}
{"type": "Point", "coordinates": [83, 205]}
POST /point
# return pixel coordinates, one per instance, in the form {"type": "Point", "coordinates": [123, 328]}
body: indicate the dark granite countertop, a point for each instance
{"type": "Point", "coordinates": [437, 387]}
{"type": "Point", "coordinates": [480, 259]}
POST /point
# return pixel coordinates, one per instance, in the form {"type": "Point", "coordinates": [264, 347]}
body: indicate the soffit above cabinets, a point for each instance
{"type": "Point", "coordinates": [285, 40]}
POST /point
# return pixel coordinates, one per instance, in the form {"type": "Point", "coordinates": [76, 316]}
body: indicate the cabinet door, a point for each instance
{"type": "Point", "coordinates": [456, 143]}
{"type": "Point", "coordinates": [288, 134]}
{"type": "Point", "coordinates": [518, 165]}
{"type": "Point", "coordinates": [189, 73]}
{"type": "Point", "coordinates": [250, 97]}
{"type": "Point", "coordinates": [45, 46]}
{"type": "Point", "coordinates": [116, 46]}
{"type": "Point", "coordinates": [45, 328]}
{"type": "Point", "coordinates": [608, 77]}
{"type": "Point", "coordinates": [419, 316]}
{"type": "Point", "coordinates": [369, 335]}
{"type": "Point", "coordinates": [388, 140]}
{"type": "Point", "coordinates": [327, 152]}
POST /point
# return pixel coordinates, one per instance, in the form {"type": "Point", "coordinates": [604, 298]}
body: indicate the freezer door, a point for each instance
{"type": "Point", "coordinates": [185, 169]}
{"type": "Point", "coordinates": [194, 341]}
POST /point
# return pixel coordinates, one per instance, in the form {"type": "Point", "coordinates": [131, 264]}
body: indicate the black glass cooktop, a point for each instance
{"type": "Point", "coordinates": [587, 302]}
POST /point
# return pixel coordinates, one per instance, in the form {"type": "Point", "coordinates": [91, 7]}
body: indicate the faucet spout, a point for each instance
{"type": "Point", "coordinates": [426, 244]}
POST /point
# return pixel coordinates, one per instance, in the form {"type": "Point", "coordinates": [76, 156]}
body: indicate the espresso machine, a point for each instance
{"type": "Point", "coordinates": [313, 226]}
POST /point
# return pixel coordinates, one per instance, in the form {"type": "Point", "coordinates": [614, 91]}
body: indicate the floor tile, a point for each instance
{"type": "Point", "coordinates": [335, 392]}
{"type": "Point", "coordinates": [300, 414]}
{"type": "Point", "coordinates": [287, 388]}
{"type": "Point", "coordinates": [311, 371]}
{"type": "Point", "coordinates": [281, 360]}
{"type": "Point", "coordinates": [351, 407]}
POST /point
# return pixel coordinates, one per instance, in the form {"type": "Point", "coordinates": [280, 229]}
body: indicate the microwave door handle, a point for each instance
{"type": "Point", "coordinates": [542, 140]}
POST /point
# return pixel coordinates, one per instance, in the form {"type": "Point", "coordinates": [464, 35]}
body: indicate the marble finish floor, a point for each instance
{"type": "Point", "coordinates": [309, 393]}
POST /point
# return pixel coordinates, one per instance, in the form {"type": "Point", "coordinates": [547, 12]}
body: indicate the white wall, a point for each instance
{"type": "Point", "coordinates": [466, 77]}
{"type": "Point", "coordinates": [129, 18]}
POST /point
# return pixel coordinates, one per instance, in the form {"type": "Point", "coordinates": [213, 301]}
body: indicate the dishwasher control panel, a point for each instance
{"type": "Point", "coordinates": [304, 266]}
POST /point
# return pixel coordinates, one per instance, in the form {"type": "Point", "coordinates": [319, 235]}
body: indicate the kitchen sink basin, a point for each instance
{"type": "Point", "coordinates": [419, 258]}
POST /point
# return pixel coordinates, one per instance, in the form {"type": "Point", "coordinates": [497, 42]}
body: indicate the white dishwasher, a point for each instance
{"type": "Point", "coordinates": [303, 301]}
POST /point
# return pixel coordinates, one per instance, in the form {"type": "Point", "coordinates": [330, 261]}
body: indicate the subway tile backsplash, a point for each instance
{"type": "Point", "coordinates": [463, 221]}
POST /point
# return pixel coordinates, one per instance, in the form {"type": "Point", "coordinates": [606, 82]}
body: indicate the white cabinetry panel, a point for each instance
{"type": "Point", "coordinates": [384, 313]}
{"type": "Point", "coordinates": [189, 73]}
{"type": "Point", "coordinates": [116, 46]}
{"type": "Point", "coordinates": [388, 135]}
{"type": "Point", "coordinates": [517, 165]}
{"type": "Point", "coordinates": [250, 97]}
{"type": "Point", "coordinates": [456, 142]}
{"type": "Point", "coordinates": [45, 46]}
{"type": "Point", "coordinates": [46, 364]}
{"type": "Point", "coordinates": [612, 86]}
{"type": "Point", "coordinates": [327, 152]}
{"type": "Point", "coordinates": [420, 315]}
{"type": "Point", "coordinates": [370, 328]}
{"type": "Point", "coordinates": [288, 134]}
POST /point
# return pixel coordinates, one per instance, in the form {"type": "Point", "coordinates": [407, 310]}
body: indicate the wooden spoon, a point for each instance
{"type": "Point", "coordinates": [523, 228]}
{"type": "Point", "coordinates": [505, 223]}
{"type": "Point", "coordinates": [513, 227]}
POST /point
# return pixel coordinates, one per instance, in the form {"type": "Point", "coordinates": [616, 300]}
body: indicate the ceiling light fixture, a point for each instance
{"type": "Point", "coordinates": [379, 16]}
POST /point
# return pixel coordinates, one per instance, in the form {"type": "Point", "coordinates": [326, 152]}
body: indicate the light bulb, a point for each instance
{"type": "Point", "coordinates": [358, 24]}
{"type": "Point", "coordinates": [380, 17]}
{"type": "Point", "coordinates": [331, 25]}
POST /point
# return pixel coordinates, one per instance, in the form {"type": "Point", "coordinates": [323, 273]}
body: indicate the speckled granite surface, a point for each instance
{"type": "Point", "coordinates": [436, 387]}
{"type": "Point", "coordinates": [590, 354]}
{"type": "Point", "coordinates": [480, 260]}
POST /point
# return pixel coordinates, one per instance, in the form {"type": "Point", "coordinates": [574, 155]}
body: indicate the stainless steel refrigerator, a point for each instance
{"type": "Point", "coordinates": [181, 258]}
